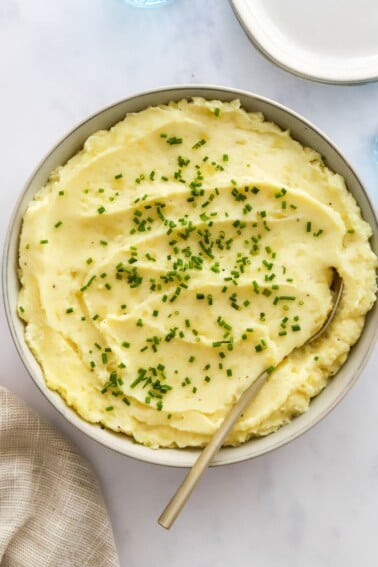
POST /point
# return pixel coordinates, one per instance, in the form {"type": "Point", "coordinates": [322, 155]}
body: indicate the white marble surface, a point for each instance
{"type": "Point", "coordinates": [312, 503]}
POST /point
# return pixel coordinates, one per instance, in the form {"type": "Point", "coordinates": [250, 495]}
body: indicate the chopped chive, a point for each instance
{"type": "Point", "coordinates": [268, 265]}
{"type": "Point", "coordinates": [86, 286]}
{"type": "Point", "coordinates": [280, 193]}
{"type": "Point", "coordinates": [118, 176]}
{"type": "Point", "coordinates": [198, 144]}
{"type": "Point", "coordinates": [174, 140]}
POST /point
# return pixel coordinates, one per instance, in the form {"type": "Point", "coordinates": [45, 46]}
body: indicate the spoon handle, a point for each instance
{"type": "Point", "coordinates": [185, 489]}
{"type": "Point", "coordinates": [188, 484]}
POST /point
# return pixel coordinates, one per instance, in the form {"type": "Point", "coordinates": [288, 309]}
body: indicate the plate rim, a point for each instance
{"type": "Point", "coordinates": [325, 79]}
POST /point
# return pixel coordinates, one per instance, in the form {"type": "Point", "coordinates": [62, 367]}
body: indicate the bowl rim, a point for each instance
{"type": "Point", "coordinates": [164, 456]}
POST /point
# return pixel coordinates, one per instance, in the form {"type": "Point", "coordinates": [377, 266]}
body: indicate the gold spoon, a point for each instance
{"type": "Point", "coordinates": [185, 489]}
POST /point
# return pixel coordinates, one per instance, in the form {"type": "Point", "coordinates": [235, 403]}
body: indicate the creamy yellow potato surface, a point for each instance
{"type": "Point", "coordinates": [176, 257]}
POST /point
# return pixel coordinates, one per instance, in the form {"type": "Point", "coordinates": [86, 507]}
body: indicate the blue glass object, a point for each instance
{"type": "Point", "coordinates": [147, 3]}
{"type": "Point", "coordinates": [376, 149]}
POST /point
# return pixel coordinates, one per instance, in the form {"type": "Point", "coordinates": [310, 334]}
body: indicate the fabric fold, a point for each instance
{"type": "Point", "coordinates": [52, 513]}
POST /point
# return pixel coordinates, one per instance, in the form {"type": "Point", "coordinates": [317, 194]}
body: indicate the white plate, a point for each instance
{"type": "Point", "coordinates": [326, 40]}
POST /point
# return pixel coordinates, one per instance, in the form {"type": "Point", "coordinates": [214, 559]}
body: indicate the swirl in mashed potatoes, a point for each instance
{"type": "Point", "coordinates": [176, 257]}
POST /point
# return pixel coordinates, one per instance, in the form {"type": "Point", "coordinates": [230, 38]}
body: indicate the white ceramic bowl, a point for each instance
{"type": "Point", "coordinates": [67, 147]}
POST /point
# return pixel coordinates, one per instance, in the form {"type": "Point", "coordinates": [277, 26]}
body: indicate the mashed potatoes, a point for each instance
{"type": "Point", "coordinates": [176, 257]}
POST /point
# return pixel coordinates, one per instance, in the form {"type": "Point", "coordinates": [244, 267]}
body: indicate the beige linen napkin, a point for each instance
{"type": "Point", "coordinates": [51, 510]}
